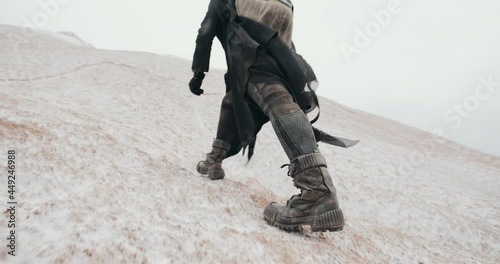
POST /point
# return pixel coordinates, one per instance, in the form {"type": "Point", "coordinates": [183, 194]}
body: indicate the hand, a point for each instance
{"type": "Point", "coordinates": [195, 83]}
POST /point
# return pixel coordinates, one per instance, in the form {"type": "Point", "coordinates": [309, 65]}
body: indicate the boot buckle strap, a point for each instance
{"type": "Point", "coordinates": [221, 144]}
{"type": "Point", "coordinates": [305, 162]}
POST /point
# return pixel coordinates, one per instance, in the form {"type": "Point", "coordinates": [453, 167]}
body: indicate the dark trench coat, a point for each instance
{"type": "Point", "coordinates": [253, 53]}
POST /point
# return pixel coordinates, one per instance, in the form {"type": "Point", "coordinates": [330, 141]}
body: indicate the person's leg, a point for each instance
{"type": "Point", "coordinates": [288, 120]}
{"type": "Point", "coordinates": [224, 143]}
{"type": "Point", "coordinates": [317, 204]}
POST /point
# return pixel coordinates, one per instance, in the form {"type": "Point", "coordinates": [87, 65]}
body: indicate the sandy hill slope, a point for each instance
{"type": "Point", "coordinates": [106, 146]}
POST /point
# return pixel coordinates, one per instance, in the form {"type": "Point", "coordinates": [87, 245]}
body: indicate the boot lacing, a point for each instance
{"type": "Point", "coordinates": [289, 173]}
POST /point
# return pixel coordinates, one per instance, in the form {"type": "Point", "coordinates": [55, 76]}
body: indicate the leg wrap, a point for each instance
{"type": "Point", "coordinates": [295, 132]}
{"type": "Point", "coordinates": [289, 122]}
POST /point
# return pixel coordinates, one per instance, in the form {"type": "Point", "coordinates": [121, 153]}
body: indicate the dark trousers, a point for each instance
{"type": "Point", "coordinates": [289, 122]}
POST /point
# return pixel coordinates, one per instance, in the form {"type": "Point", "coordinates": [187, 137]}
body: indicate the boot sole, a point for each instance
{"type": "Point", "coordinates": [331, 221]}
{"type": "Point", "coordinates": [216, 174]}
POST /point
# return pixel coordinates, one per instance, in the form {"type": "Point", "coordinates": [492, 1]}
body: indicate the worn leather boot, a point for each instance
{"type": "Point", "coordinates": [213, 163]}
{"type": "Point", "coordinates": [316, 206]}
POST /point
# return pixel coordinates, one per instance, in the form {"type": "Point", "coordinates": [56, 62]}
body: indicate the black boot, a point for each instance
{"type": "Point", "coordinates": [316, 206]}
{"type": "Point", "coordinates": [213, 163]}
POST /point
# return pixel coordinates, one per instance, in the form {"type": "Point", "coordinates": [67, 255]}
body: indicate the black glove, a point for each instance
{"type": "Point", "coordinates": [195, 83]}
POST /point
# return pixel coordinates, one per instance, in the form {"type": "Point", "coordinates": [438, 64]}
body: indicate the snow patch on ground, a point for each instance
{"type": "Point", "coordinates": [71, 38]}
{"type": "Point", "coordinates": [107, 145]}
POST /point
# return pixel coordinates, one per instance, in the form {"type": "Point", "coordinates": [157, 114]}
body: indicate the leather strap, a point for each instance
{"type": "Point", "coordinates": [305, 162]}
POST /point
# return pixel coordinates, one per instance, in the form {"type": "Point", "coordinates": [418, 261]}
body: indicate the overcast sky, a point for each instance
{"type": "Point", "coordinates": [429, 64]}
